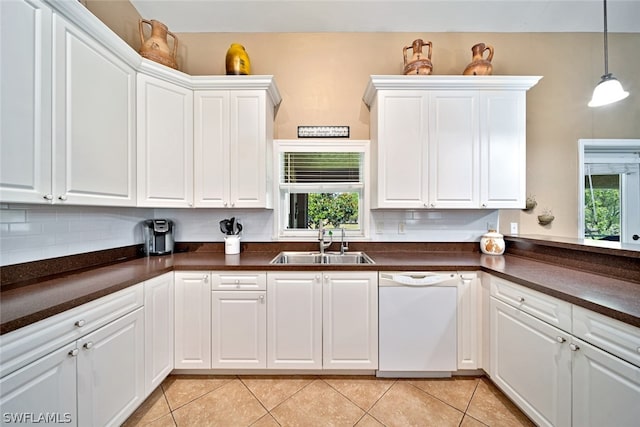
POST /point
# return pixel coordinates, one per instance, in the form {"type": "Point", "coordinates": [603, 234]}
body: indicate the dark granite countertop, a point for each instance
{"type": "Point", "coordinates": [21, 305]}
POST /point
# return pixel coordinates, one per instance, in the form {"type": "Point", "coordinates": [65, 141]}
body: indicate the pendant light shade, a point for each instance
{"type": "Point", "coordinates": [609, 89]}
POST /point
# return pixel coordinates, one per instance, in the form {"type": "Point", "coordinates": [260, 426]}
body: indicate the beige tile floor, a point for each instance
{"type": "Point", "coordinates": [363, 401]}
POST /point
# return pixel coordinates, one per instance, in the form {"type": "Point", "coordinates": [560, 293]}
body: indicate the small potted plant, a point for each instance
{"type": "Point", "coordinates": [546, 217]}
{"type": "Point", "coordinates": [530, 203]}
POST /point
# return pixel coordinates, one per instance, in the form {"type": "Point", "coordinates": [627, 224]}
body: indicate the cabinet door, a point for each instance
{"type": "Point", "coordinates": [46, 387]}
{"type": "Point", "coordinates": [470, 322]}
{"type": "Point", "coordinates": [25, 104]}
{"type": "Point", "coordinates": [350, 320]}
{"type": "Point", "coordinates": [251, 127]}
{"type": "Point", "coordinates": [111, 371]}
{"type": "Point", "coordinates": [238, 329]}
{"type": "Point", "coordinates": [531, 363]}
{"type": "Point", "coordinates": [94, 121]}
{"type": "Point", "coordinates": [400, 155]}
{"type": "Point", "coordinates": [211, 149]}
{"type": "Point", "coordinates": [294, 322]}
{"type": "Point", "coordinates": [454, 149]}
{"type": "Point", "coordinates": [192, 320]}
{"type": "Point", "coordinates": [158, 330]}
{"type": "Point", "coordinates": [503, 149]}
{"type": "Point", "coordinates": [606, 389]}
{"type": "Point", "coordinates": [165, 143]}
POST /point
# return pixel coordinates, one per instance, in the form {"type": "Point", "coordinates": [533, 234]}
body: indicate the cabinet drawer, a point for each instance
{"type": "Point", "coordinates": [27, 344]}
{"type": "Point", "coordinates": [611, 335]}
{"type": "Point", "coordinates": [230, 281]}
{"type": "Point", "coordinates": [544, 307]}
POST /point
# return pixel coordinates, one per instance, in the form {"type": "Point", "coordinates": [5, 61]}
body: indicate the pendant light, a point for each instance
{"type": "Point", "coordinates": [609, 90]}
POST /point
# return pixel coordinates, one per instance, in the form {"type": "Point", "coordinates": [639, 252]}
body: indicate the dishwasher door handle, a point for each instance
{"type": "Point", "coordinates": [418, 279]}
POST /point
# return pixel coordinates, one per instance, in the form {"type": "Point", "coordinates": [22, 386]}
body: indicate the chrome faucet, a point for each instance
{"type": "Point", "coordinates": [321, 233]}
{"type": "Point", "coordinates": [344, 245]}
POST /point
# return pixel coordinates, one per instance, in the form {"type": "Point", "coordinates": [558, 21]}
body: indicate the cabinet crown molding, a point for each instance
{"type": "Point", "coordinates": [401, 82]}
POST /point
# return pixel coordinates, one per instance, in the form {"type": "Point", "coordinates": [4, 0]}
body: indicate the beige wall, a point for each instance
{"type": "Point", "coordinates": [322, 77]}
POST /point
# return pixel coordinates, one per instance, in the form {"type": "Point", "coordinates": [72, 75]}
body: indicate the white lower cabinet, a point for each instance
{"type": "Point", "coordinates": [46, 386]}
{"type": "Point", "coordinates": [158, 330]}
{"type": "Point", "coordinates": [294, 323]}
{"type": "Point", "coordinates": [555, 377]}
{"type": "Point", "coordinates": [111, 371]}
{"type": "Point", "coordinates": [192, 320]}
{"type": "Point", "coordinates": [606, 389]}
{"type": "Point", "coordinates": [238, 320]}
{"type": "Point", "coordinates": [97, 380]}
{"type": "Point", "coordinates": [322, 320]}
{"type": "Point", "coordinates": [531, 364]}
{"type": "Point", "coordinates": [350, 320]}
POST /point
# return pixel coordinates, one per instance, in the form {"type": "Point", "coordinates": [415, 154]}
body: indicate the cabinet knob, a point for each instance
{"type": "Point", "coordinates": [317, 277]}
{"type": "Point", "coordinates": [205, 279]}
{"type": "Point", "coordinates": [74, 352]}
{"type": "Point", "coordinates": [88, 345]}
{"type": "Point", "coordinates": [62, 197]}
{"type": "Point", "coordinates": [484, 205]}
{"type": "Point", "coordinates": [432, 205]}
{"type": "Point", "coordinates": [48, 196]}
{"type": "Point", "coordinates": [224, 203]}
{"type": "Point", "coordinates": [261, 299]}
{"type": "Point", "coordinates": [80, 323]}
{"type": "Point", "coordinates": [560, 339]}
{"type": "Point", "coordinates": [574, 347]}
{"type": "Point", "coordinates": [521, 300]}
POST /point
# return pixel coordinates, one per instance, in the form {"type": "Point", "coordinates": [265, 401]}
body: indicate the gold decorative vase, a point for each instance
{"type": "Point", "coordinates": [480, 66]}
{"type": "Point", "coordinates": [237, 60]}
{"type": "Point", "coordinates": [419, 63]}
{"type": "Point", "coordinates": [156, 47]}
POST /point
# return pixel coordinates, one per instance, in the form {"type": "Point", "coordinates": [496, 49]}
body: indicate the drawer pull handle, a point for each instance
{"type": "Point", "coordinates": [88, 345]}
{"type": "Point", "coordinates": [74, 352]}
{"type": "Point", "coordinates": [560, 339]}
{"type": "Point", "coordinates": [574, 347]}
{"type": "Point", "coordinates": [80, 323]}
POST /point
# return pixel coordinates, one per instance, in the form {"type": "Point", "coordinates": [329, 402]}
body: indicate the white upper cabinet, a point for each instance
{"type": "Point", "coordinates": [233, 132]}
{"type": "Point", "coordinates": [25, 104]}
{"type": "Point", "coordinates": [94, 121]}
{"type": "Point", "coordinates": [448, 141]}
{"type": "Point", "coordinates": [68, 113]}
{"type": "Point", "coordinates": [165, 143]}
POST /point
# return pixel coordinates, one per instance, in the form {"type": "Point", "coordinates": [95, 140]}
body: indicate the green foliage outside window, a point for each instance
{"type": "Point", "coordinates": [335, 209]}
{"type": "Point", "coordinates": [606, 221]}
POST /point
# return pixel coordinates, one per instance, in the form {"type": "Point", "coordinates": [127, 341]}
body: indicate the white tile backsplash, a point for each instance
{"type": "Point", "coordinates": [34, 232]}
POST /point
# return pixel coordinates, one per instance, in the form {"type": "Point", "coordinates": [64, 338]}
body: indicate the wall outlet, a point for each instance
{"type": "Point", "coordinates": [514, 228]}
{"type": "Point", "coordinates": [379, 227]}
{"type": "Point", "coordinates": [401, 225]}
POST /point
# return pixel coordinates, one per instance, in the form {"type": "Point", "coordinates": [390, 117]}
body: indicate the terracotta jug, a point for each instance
{"type": "Point", "coordinates": [480, 66]}
{"type": "Point", "coordinates": [156, 47]}
{"type": "Point", "coordinates": [237, 60]}
{"type": "Point", "coordinates": [420, 63]}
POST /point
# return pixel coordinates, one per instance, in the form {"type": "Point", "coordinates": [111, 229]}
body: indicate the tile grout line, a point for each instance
{"type": "Point", "coordinates": [199, 397]}
{"type": "Point", "coordinates": [439, 399]}
{"type": "Point", "coordinates": [261, 404]}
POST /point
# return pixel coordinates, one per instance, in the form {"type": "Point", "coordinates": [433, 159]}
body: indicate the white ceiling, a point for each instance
{"type": "Point", "coordinates": [249, 16]}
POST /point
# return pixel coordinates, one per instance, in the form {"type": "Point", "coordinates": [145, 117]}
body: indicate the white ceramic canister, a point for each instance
{"type": "Point", "coordinates": [232, 245]}
{"type": "Point", "coordinates": [492, 243]}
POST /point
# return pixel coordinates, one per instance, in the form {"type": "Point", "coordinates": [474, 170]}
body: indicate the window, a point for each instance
{"type": "Point", "coordinates": [320, 180]}
{"type": "Point", "coordinates": [610, 190]}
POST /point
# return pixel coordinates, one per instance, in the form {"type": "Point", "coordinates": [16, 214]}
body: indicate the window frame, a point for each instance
{"type": "Point", "coordinates": [280, 232]}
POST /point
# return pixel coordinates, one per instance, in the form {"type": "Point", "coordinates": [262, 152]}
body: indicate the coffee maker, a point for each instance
{"type": "Point", "coordinates": [158, 236]}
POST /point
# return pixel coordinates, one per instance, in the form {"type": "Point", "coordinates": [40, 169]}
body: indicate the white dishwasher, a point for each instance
{"type": "Point", "coordinates": [417, 324]}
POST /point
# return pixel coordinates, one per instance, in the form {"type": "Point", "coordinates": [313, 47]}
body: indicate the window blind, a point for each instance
{"type": "Point", "coordinates": [321, 168]}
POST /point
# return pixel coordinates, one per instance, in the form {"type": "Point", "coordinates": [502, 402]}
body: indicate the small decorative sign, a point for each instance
{"type": "Point", "coordinates": [323, 131]}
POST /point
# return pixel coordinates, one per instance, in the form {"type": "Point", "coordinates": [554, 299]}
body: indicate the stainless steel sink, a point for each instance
{"type": "Point", "coordinates": [318, 258]}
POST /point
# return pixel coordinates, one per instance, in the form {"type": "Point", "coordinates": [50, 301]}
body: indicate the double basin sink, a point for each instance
{"type": "Point", "coordinates": [322, 258]}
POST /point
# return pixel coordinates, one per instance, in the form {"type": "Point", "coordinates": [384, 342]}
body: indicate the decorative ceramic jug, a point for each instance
{"type": "Point", "coordinates": [479, 65]}
{"type": "Point", "coordinates": [492, 243]}
{"type": "Point", "coordinates": [156, 47]}
{"type": "Point", "coordinates": [237, 60]}
{"type": "Point", "coordinates": [420, 63]}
